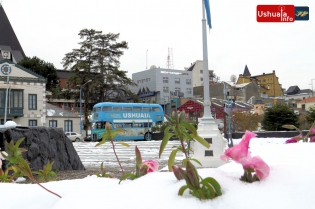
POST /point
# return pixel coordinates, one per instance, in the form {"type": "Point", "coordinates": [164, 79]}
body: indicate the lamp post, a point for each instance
{"type": "Point", "coordinates": [81, 104]}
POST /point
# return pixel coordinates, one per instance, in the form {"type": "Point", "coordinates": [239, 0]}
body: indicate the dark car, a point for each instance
{"type": "Point", "coordinates": [88, 138]}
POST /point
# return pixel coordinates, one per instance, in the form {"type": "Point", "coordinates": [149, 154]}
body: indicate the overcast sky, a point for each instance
{"type": "Point", "coordinates": [49, 29]}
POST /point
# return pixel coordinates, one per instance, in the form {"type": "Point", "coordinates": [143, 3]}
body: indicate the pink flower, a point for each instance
{"type": "Point", "coordinates": [312, 138]}
{"type": "Point", "coordinates": [261, 168]}
{"type": "Point", "coordinates": [240, 150]}
{"type": "Point", "coordinates": [152, 165]}
{"type": "Point", "coordinates": [289, 141]}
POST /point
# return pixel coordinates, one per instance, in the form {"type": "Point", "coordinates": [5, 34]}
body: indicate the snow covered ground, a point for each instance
{"type": "Point", "coordinates": [290, 184]}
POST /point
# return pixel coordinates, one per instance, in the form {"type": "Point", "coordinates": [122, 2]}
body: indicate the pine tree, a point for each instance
{"type": "Point", "coordinates": [97, 59]}
{"type": "Point", "coordinates": [310, 117]}
{"type": "Point", "coordinates": [277, 116]}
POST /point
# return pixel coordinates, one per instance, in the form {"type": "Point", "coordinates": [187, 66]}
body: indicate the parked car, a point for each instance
{"type": "Point", "coordinates": [74, 137]}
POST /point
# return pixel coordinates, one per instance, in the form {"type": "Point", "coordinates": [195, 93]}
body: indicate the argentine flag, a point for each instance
{"type": "Point", "coordinates": [207, 7]}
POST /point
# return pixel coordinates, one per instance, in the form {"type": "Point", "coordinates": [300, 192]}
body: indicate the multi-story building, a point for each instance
{"type": "Point", "coordinates": [268, 83]}
{"type": "Point", "coordinates": [229, 90]}
{"type": "Point", "coordinates": [163, 86]}
{"type": "Point", "coordinates": [197, 74]}
{"type": "Point", "coordinates": [295, 93]}
{"type": "Point", "coordinates": [23, 92]}
{"type": "Point", "coordinates": [22, 95]}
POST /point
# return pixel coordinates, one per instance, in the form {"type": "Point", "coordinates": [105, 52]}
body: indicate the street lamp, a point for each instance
{"type": "Point", "coordinates": [81, 105]}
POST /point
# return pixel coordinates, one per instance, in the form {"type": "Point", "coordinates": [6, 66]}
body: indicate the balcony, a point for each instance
{"type": "Point", "coordinates": [12, 112]}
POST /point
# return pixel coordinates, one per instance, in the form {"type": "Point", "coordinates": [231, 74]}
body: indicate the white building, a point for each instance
{"type": "Point", "coordinates": [197, 73]}
{"type": "Point", "coordinates": [162, 86]}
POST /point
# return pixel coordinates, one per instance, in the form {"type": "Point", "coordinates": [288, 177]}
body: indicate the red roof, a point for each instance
{"type": "Point", "coordinates": [311, 99]}
{"type": "Point", "coordinates": [191, 106]}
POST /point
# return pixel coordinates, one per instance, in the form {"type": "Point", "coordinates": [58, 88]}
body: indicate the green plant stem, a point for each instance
{"type": "Point", "coordinates": [121, 168]}
{"type": "Point", "coordinates": [183, 147]}
{"type": "Point", "coordinates": [36, 182]}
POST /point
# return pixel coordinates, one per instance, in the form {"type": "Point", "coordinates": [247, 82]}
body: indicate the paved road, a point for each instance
{"type": "Point", "coordinates": [92, 156]}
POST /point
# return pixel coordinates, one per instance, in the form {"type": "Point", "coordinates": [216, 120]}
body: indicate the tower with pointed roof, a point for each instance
{"type": "Point", "coordinates": [268, 82]}
{"type": "Point", "coordinates": [10, 46]}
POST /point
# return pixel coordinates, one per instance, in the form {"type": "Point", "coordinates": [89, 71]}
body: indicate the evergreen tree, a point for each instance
{"type": "Point", "coordinates": [277, 116]}
{"type": "Point", "coordinates": [45, 69]}
{"type": "Point", "coordinates": [310, 117]}
{"type": "Point", "coordinates": [97, 59]}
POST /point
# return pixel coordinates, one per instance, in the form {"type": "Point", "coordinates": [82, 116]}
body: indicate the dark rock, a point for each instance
{"type": "Point", "coordinates": [44, 144]}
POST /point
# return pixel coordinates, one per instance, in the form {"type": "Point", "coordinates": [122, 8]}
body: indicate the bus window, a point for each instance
{"type": "Point", "coordinates": [107, 109]}
{"type": "Point", "coordinates": [100, 125]}
{"type": "Point", "coordinates": [94, 109]}
{"type": "Point", "coordinates": [118, 125]}
{"type": "Point", "coordinates": [127, 125]}
{"type": "Point", "coordinates": [127, 109]}
{"type": "Point", "coordinates": [156, 109]}
{"type": "Point", "coordinates": [98, 109]}
{"type": "Point", "coordinates": [117, 109]}
{"type": "Point", "coordinates": [137, 109]}
{"type": "Point", "coordinates": [138, 125]}
{"type": "Point", "coordinates": [147, 124]}
{"type": "Point", "coordinates": [146, 109]}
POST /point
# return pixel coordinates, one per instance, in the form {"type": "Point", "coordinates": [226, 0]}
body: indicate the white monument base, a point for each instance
{"type": "Point", "coordinates": [210, 158]}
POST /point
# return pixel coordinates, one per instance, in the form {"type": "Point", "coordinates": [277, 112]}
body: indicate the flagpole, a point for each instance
{"type": "Point", "coordinates": [207, 127]}
{"type": "Point", "coordinates": [206, 92]}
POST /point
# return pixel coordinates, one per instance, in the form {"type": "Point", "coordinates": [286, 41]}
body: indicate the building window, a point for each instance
{"type": "Point", "coordinates": [165, 89]}
{"type": "Point", "coordinates": [165, 79]}
{"type": "Point", "coordinates": [32, 101]}
{"type": "Point", "coordinates": [52, 123]}
{"type": "Point", "coordinates": [177, 80]}
{"type": "Point", "coordinates": [32, 123]}
{"type": "Point", "coordinates": [2, 121]}
{"type": "Point", "coordinates": [16, 98]}
{"type": "Point", "coordinates": [188, 90]}
{"type": "Point", "coordinates": [188, 81]}
{"type": "Point", "coordinates": [201, 71]}
{"type": "Point", "coordinates": [68, 126]}
{"type": "Point", "coordinates": [201, 78]}
{"type": "Point", "coordinates": [177, 91]}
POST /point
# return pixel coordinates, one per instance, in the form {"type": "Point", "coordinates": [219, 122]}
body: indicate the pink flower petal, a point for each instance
{"type": "Point", "coordinates": [261, 168]}
{"type": "Point", "coordinates": [240, 150]}
{"type": "Point", "coordinates": [152, 165]}
{"type": "Point", "coordinates": [289, 141]}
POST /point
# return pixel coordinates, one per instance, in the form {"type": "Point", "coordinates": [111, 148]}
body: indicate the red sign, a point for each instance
{"type": "Point", "coordinates": [275, 13]}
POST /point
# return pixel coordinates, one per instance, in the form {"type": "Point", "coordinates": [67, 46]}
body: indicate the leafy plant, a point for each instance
{"type": "Point", "coordinates": [185, 132]}
{"type": "Point", "coordinates": [103, 173]}
{"type": "Point", "coordinates": [18, 163]}
{"type": "Point", "coordinates": [142, 168]}
{"type": "Point", "coordinates": [5, 176]}
{"type": "Point", "coordinates": [203, 189]}
{"type": "Point", "coordinates": [46, 174]}
{"type": "Point", "coordinates": [109, 136]}
{"type": "Point", "coordinates": [310, 135]}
